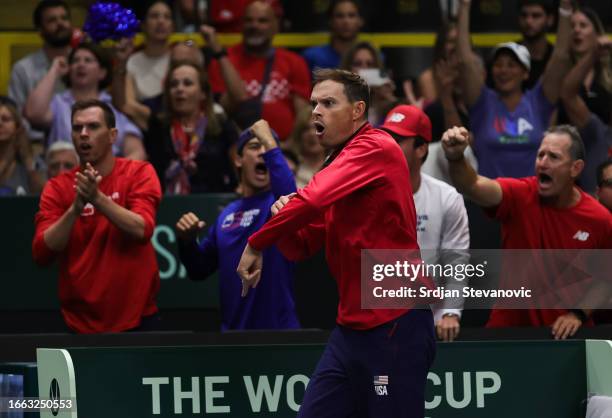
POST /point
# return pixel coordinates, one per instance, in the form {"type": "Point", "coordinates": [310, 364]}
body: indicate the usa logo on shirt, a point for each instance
{"type": "Point", "coordinates": [239, 219]}
{"type": "Point", "coordinates": [380, 385]}
{"type": "Point", "coordinates": [512, 132]}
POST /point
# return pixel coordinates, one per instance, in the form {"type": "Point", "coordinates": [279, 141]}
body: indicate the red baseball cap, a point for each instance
{"type": "Point", "coordinates": [407, 120]}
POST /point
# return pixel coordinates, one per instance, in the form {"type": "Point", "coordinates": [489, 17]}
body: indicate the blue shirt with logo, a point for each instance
{"type": "Point", "coordinates": [505, 142]}
{"type": "Point", "coordinates": [271, 305]}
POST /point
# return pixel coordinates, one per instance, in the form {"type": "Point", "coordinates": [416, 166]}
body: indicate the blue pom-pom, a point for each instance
{"type": "Point", "coordinates": [110, 21]}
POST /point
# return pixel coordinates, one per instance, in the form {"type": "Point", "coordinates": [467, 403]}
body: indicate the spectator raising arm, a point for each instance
{"type": "Point", "coordinates": [122, 87]}
{"type": "Point", "coordinates": [236, 90]}
{"type": "Point", "coordinates": [38, 105]}
{"type": "Point", "coordinates": [482, 190]}
{"type": "Point", "coordinates": [445, 76]}
{"type": "Point", "coordinates": [470, 72]}
{"type": "Point", "coordinates": [577, 110]}
{"type": "Point", "coordinates": [559, 63]}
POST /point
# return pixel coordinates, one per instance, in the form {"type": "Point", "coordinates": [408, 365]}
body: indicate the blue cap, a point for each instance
{"type": "Point", "coordinates": [247, 135]}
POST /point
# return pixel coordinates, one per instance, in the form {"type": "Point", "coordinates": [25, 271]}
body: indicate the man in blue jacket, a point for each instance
{"type": "Point", "coordinates": [264, 176]}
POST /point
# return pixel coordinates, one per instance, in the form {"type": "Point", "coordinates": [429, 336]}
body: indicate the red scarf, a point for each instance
{"type": "Point", "coordinates": [186, 147]}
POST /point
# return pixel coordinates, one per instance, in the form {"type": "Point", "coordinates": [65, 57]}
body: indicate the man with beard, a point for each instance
{"type": "Point", "coordinates": [535, 18]}
{"type": "Point", "coordinates": [264, 177]}
{"type": "Point", "coordinates": [52, 19]}
{"type": "Point", "coordinates": [277, 80]}
{"type": "Point", "coordinates": [345, 22]}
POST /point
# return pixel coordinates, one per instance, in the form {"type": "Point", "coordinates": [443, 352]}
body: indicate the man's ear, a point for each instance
{"type": "Point", "coordinates": [421, 151]}
{"type": "Point", "coordinates": [576, 169]}
{"type": "Point", "coordinates": [238, 160]}
{"type": "Point", "coordinates": [359, 109]}
{"type": "Point", "coordinates": [103, 73]}
{"type": "Point", "coordinates": [114, 133]}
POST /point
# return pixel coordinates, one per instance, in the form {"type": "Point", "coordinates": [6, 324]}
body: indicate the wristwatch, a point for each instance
{"type": "Point", "coordinates": [219, 54]}
{"type": "Point", "coordinates": [580, 314]}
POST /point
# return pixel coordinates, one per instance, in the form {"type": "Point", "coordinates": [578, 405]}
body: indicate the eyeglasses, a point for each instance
{"type": "Point", "coordinates": [606, 182]}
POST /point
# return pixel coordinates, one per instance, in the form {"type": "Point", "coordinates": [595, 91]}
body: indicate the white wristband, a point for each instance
{"type": "Point", "coordinates": [565, 12]}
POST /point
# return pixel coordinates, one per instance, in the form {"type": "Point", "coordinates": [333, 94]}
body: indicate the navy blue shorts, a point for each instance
{"type": "Point", "coordinates": [374, 373]}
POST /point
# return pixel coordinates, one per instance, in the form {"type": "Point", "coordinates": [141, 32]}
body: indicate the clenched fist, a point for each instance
{"type": "Point", "coordinates": [189, 226]}
{"type": "Point", "coordinates": [454, 142]}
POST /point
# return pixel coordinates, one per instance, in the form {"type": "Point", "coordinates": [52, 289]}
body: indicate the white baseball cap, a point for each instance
{"type": "Point", "coordinates": [520, 52]}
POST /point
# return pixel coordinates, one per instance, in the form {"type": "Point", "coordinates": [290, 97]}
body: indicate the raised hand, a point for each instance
{"type": "Point", "coordinates": [210, 36]}
{"type": "Point", "coordinates": [189, 226]}
{"type": "Point", "coordinates": [261, 130]}
{"type": "Point", "coordinates": [123, 50]}
{"type": "Point", "coordinates": [454, 142]}
{"type": "Point", "coordinates": [60, 66]}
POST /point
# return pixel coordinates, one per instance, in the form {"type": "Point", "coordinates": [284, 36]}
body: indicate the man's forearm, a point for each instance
{"type": "Point", "coordinates": [127, 221]}
{"type": "Point", "coordinates": [58, 234]}
{"type": "Point", "coordinates": [235, 85]}
{"type": "Point", "coordinates": [462, 174]}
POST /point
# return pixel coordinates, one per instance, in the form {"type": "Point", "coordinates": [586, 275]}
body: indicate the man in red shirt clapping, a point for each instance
{"type": "Point", "coordinates": [98, 220]}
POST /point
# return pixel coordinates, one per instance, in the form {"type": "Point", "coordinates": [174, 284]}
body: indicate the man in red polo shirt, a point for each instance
{"type": "Point", "coordinates": [288, 86]}
{"type": "Point", "coordinates": [376, 360]}
{"type": "Point", "coordinates": [546, 211]}
{"type": "Point", "coordinates": [98, 220]}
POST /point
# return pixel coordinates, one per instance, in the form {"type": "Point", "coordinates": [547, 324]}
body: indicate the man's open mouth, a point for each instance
{"type": "Point", "coordinates": [319, 127]}
{"type": "Point", "coordinates": [544, 179]}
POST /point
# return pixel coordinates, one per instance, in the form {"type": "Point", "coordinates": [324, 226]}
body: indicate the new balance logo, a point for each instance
{"type": "Point", "coordinates": [396, 117]}
{"type": "Point", "coordinates": [380, 385]}
{"type": "Point", "coordinates": [581, 236]}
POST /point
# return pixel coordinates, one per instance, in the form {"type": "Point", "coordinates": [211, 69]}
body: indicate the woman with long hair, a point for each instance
{"type": "Point", "coordinates": [17, 172]}
{"type": "Point", "coordinates": [596, 90]}
{"type": "Point", "coordinates": [188, 143]}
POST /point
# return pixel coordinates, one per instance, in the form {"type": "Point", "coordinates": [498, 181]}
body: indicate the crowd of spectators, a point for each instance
{"type": "Point", "coordinates": [181, 107]}
{"type": "Point", "coordinates": [506, 100]}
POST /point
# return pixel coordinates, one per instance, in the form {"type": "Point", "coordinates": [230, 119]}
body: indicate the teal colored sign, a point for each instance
{"type": "Point", "coordinates": [468, 380]}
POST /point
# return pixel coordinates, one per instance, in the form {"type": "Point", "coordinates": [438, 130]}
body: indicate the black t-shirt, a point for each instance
{"type": "Point", "coordinates": [537, 68]}
{"type": "Point", "coordinates": [598, 100]}
{"type": "Point", "coordinates": [435, 112]}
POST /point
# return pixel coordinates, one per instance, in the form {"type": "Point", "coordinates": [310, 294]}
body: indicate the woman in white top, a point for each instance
{"type": "Point", "coordinates": [148, 67]}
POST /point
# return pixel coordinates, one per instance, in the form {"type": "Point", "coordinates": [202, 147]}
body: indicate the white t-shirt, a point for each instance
{"type": "Point", "coordinates": [442, 224]}
{"type": "Point", "coordinates": [436, 164]}
{"type": "Point", "coordinates": [148, 73]}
